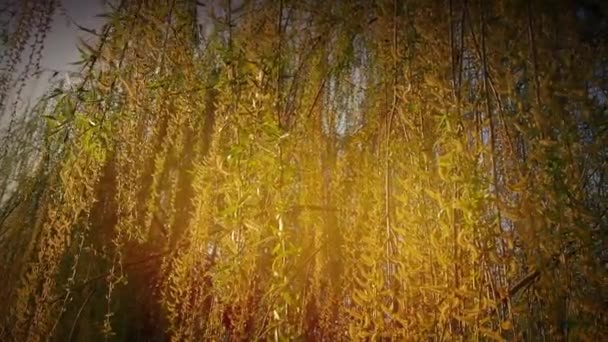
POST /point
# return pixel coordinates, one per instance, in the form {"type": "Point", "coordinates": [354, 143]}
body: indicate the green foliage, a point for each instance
{"type": "Point", "coordinates": [319, 171]}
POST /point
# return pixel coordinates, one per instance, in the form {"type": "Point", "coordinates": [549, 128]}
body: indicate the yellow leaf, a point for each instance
{"type": "Point", "coordinates": [491, 334]}
{"type": "Point", "coordinates": [520, 186]}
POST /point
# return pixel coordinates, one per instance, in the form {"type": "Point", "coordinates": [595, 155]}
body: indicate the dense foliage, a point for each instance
{"type": "Point", "coordinates": [312, 170]}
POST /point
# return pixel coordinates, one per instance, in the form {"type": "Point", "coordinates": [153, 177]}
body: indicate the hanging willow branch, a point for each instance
{"type": "Point", "coordinates": [258, 189]}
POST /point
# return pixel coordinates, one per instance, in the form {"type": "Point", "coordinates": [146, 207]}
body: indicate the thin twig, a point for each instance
{"type": "Point", "coordinates": [77, 318]}
{"type": "Point", "coordinates": [89, 281]}
{"type": "Point", "coordinates": [535, 65]}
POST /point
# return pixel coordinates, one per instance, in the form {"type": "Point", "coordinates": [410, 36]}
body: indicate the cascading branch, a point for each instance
{"type": "Point", "coordinates": [25, 26]}
{"type": "Point", "coordinates": [303, 170]}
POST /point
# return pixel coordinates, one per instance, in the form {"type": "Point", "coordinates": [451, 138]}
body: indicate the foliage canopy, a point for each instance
{"type": "Point", "coordinates": [311, 170]}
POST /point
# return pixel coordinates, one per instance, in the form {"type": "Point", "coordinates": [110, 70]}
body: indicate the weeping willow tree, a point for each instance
{"type": "Point", "coordinates": [307, 170]}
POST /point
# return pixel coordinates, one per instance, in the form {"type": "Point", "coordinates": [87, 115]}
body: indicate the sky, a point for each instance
{"type": "Point", "coordinates": [63, 38]}
{"type": "Point", "coordinates": [61, 45]}
{"type": "Point", "coordinates": [60, 48]}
